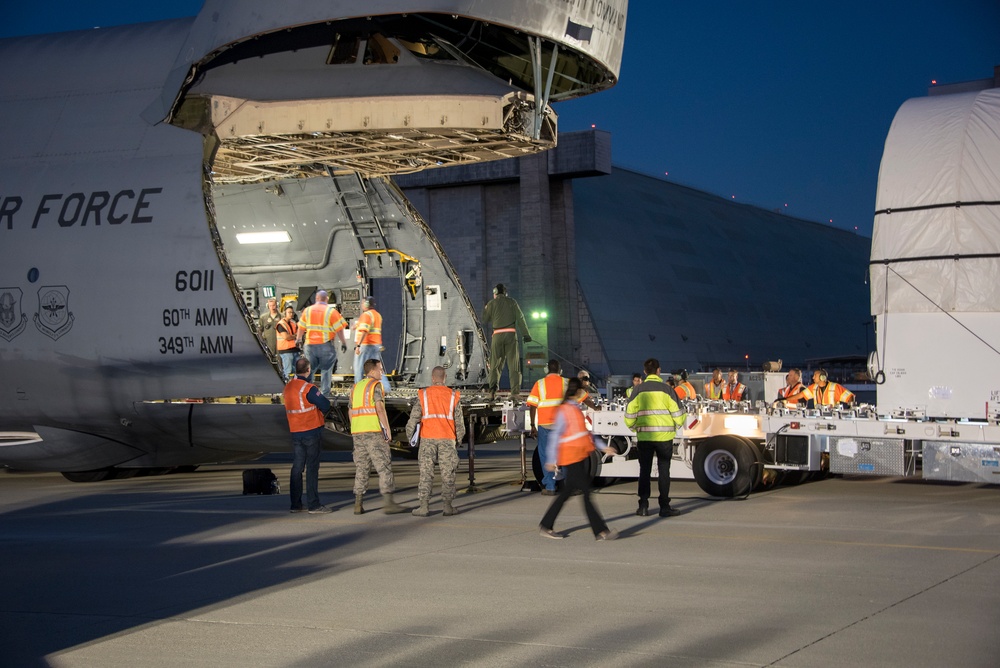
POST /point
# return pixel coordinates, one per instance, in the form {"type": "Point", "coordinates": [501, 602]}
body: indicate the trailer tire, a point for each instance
{"type": "Point", "coordinates": [727, 466]}
{"type": "Point", "coordinates": [593, 467]}
{"type": "Point", "coordinates": [536, 465]}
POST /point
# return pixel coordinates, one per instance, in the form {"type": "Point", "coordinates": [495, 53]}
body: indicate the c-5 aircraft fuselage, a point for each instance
{"type": "Point", "coordinates": [161, 180]}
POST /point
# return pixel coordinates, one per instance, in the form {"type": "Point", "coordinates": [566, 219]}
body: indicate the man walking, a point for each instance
{"type": "Point", "coordinates": [318, 325]}
{"type": "Point", "coordinates": [573, 445]}
{"type": "Point", "coordinates": [304, 408]}
{"type": "Point", "coordinates": [543, 403]}
{"type": "Point", "coordinates": [370, 430]}
{"type": "Point", "coordinates": [654, 414]}
{"type": "Point", "coordinates": [438, 412]}
{"type": "Point", "coordinates": [504, 314]}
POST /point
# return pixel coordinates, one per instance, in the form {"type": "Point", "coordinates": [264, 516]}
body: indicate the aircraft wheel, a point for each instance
{"type": "Point", "coordinates": [727, 466]}
{"type": "Point", "coordinates": [89, 476]}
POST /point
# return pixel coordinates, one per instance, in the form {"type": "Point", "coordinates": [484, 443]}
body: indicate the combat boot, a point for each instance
{"type": "Point", "coordinates": [449, 509]}
{"type": "Point", "coordinates": [423, 510]}
{"type": "Point", "coordinates": [358, 508]}
{"type": "Point", "coordinates": [391, 507]}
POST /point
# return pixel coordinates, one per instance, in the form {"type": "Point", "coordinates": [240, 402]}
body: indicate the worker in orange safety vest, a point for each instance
{"type": "Point", "coordinates": [438, 414]}
{"type": "Point", "coordinates": [305, 408]}
{"type": "Point", "coordinates": [828, 393]}
{"type": "Point", "coordinates": [319, 324]}
{"type": "Point", "coordinates": [794, 391]}
{"type": "Point", "coordinates": [734, 390]}
{"type": "Point", "coordinates": [574, 445]}
{"type": "Point", "coordinates": [368, 341]}
{"type": "Point", "coordinates": [683, 389]}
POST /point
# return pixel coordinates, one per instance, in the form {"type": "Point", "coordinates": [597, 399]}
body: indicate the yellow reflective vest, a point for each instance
{"type": "Point", "coordinates": [653, 412]}
{"type": "Point", "coordinates": [364, 418]}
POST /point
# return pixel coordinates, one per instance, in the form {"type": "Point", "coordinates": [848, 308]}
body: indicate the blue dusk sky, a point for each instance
{"type": "Point", "coordinates": [783, 105]}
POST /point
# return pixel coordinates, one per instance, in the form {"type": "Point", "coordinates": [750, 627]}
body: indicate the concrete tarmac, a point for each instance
{"type": "Point", "coordinates": [184, 570]}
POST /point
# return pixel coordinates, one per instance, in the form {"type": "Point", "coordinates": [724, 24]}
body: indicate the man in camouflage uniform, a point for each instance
{"type": "Point", "coordinates": [370, 430]}
{"type": "Point", "coordinates": [438, 411]}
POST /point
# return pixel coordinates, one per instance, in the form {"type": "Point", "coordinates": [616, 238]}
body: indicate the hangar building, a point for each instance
{"type": "Point", "coordinates": [619, 266]}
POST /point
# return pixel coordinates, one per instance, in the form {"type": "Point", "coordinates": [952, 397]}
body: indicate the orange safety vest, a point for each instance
{"type": "Point", "coordinates": [364, 417]}
{"type": "Point", "coordinates": [286, 339]}
{"type": "Point", "coordinates": [576, 442]}
{"type": "Point", "coordinates": [713, 391]}
{"type": "Point", "coordinates": [321, 322]}
{"type": "Point", "coordinates": [369, 328]}
{"type": "Point", "coordinates": [795, 389]}
{"type": "Point", "coordinates": [437, 417]}
{"type": "Point", "coordinates": [546, 395]}
{"type": "Point", "coordinates": [302, 414]}
{"type": "Point", "coordinates": [731, 392]}
{"type": "Point", "coordinates": [685, 390]}
{"type": "Point", "coordinates": [833, 394]}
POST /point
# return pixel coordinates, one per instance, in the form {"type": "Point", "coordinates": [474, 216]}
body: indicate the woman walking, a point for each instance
{"type": "Point", "coordinates": [575, 444]}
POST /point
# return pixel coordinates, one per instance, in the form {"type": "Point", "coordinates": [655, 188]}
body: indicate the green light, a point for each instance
{"type": "Point", "coordinates": [534, 315]}
{"type": "Point", "coordinates": [545, 315]}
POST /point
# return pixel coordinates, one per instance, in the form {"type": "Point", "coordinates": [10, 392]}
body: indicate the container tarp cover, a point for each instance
{"type": "Point", "coordinates": [936, 239]}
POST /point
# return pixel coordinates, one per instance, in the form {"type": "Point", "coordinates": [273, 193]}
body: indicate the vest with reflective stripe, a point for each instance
{"type": "Point", "coordinates": [713, 391]}
{"type": "Point", "coordinates": [832, 394]}
{"type": "Point", "coordinates": [547, 395]}
{"type": "Point", "coordinates": [653, 413]}
{"type": "Point", "coordinates": [731, 392]}
{"type": "Point", "coordinates": [437, 412]}
{"type": "Point", "coordinates": [369, 329]}
{"type": "Point", "coordinates": [576, 442]}
{"type": "Point", "coordinates": [685, 390]}
{"type": "Point", "coordinates": [364, 418]}
{"type": "Point", "coordinates": [286, 339]}
{"type": "Point", "coordinates": [795, 389]}
{"type": "Point", "coordinates": [302, 415]}
{"type": "Point", "coordinates": [322, 322]}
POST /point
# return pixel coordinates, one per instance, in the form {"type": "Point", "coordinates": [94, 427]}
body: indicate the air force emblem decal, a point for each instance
{"type": "Point", "coordinates": [12, 320]}
{"type": "Point", "coordinates": [53, 318]}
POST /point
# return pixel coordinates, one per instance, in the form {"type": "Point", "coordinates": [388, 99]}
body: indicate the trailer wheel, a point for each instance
{"type": "Point", "coordinates": [727, 466]}
{"type": "Point", "coordinates": [536, 465]}
{"type": "Point", "coordinates": [593, 467]}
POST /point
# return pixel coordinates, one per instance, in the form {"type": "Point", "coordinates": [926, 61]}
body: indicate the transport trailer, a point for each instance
{"type": "Point", "coordinates": [732, 448]}
{"type": "Point", "coordinates": [935, 304]}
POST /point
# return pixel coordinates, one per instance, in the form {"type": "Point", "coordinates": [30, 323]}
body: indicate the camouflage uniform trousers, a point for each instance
{"type": "Point", "coordinates": [440, 451]}
{"type": "Point", "coordinates": [372, 449]}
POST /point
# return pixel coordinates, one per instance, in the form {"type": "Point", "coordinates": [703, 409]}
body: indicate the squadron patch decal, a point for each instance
{"type": "Point", "coordinates": [53, 318]}
{"type": "Point", "coordinates": [12, 319]}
